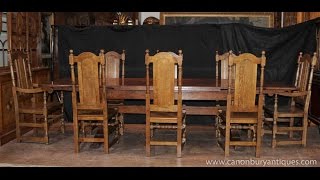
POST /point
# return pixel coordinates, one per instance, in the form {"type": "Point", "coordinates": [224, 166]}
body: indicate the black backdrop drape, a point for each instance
{"type": "Point", "coordinates": [197, 42]}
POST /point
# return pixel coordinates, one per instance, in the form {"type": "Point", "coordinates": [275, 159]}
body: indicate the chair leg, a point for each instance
{"type": "Point", "coordinates": [179, 150]}
{"type": "Point", "coordinates": [148, 148]}
{"type": "Point", "coordinates": [118, 127]}
{"type": "Point", "coordinates": [121, 125]}
{"type": "Point", "coordinates": [249, 133]}
{"type": "Point", "coordinates": [254, 132]}
{"type": "Point", "coordinates": [106, 136]}
{"type": "Point", "coordinates": [217, 124]}
{"type": "Point", "coordinates": [274, 132]}
{"type": "Point", "coordinates": [291, 125]}
{"type": "Point", "coordinates": [184, 131]}
{"type": "Point", "coordinates": [35, 130]}
{"type": "Point", "coordinates": [304, 132]}
{"type": "Point", "coordinates": [46, 129]}
{"type": "Point", "coordinates": [152, 132]}
{"type": "Point", "coordinates": [63, 127]}
{"type": "Point", "coordinates": [76, 135]}
{"type": "Point", "coordinates": [258, 138]}
{"type": "Point", "coordinates": [227, 140]}
{"type": "Point", "coordinates": [18, 126]}
{"type": "Point", "coordinates": [83, 131]}
{"type": "Point", "coordinates": [179, 140]}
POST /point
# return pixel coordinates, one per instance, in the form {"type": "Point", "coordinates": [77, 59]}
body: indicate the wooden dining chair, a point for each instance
{"type": "Point", "coordinates": [163, 104]}
{"type": "Point", "coordinates": [242, 111]}
{"type": "Point", "coordinates": [34, 110]}
{"type": "Point", "coordinates": [89, 103]}
{"type": "Point", "coordinates": [115, 67]}
{"type": "Point", "coordinates": [222, 61]}
{"type": "Point", "coordinates": [285, 119]}
{"type": "Point", "coordinates": [115, 70]}
{"type": "Point", "coordinates": [222, 65]}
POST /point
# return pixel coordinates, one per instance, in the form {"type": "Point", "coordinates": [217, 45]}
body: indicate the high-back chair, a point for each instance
{"type": "Point", "coordinates": [115, 73]}
{"type": "Point", "coordinates": [287, 119]}
{"type": "Point", "coordinates": [242, 111]}
{"type": "Point", "coordinates": [33, 109]}
{"type": "Point", "coordinates": [222, 65]}
{"type": "Point", "coordinates": [222, 61]}
{"type": "Point", "coordinates": [89, 103]}
{"type": "Point", "coordinates": [115, 64]}
{"type": "Point", "coordinates": [164, 102]}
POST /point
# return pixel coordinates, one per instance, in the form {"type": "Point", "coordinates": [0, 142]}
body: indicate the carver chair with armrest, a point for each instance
{"type": "Point", "coordinates": [289, 122]}
{"type": "Point", "coordinates": [34, 110]}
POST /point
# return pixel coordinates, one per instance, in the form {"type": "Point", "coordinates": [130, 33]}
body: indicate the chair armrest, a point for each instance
{"type": "Point", "coordinates": [293, 94]}
{"type": "Point", "coordinates": [47, 89]}
{"type": "Point", "coordinates": [271, 110]}
{"type": "Point", "coordinates": [34, 90]}
{"type": "Point", "coordinates": [30, 91]}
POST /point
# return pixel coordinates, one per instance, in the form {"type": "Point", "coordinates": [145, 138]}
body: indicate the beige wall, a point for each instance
{"type": "Point", "coordinates": [144, 15]}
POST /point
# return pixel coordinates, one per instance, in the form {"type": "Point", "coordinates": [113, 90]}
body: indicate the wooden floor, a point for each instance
{"type": "Point", "coordinates": [201, 150]}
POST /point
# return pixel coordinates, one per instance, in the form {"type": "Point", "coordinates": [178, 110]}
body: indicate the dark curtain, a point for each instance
{"type": "Point", "coordinates": [197, 42]}
{"type": "Point", "coordinates": [282, 46]}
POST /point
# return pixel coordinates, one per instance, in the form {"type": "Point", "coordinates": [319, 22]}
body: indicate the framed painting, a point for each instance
{"type": "Point", "coordinates": [259, 19]}
{"type": "Point", "coordinates": [47, 19]}
{"type": "Point", "coordinates": [0, 22]}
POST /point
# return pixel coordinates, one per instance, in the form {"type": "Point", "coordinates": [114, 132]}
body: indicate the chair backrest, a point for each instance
{"type": "Point", "coordinates": [304, 74]}
{"type": "Point", "coordinates": [164, 81]}
{"type": "Point", "coordinates": [222, 65]}
{"type": "Point", "coordinates": [114, 67]}
{"type": "Point", "coordinates": [20, 69]}
{"type": "Point", "coordinates": [88, 80]}
{"type": "Point", "coordinates": [222, 60]}
{"type": "Point", "coordinates": [245, 83]}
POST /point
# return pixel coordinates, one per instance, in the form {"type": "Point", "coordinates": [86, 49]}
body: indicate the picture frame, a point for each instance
{"type": "Point", "coordinates": [259, 19]}
{"type": "Point", "coordinates": [0, 22]}
{"type": "Point", "coordinates": [47, 19]}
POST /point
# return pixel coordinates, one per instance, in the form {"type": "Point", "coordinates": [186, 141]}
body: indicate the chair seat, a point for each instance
{"type": "Point", "coordinates": [242, 117]}
{"type": "Point", "coordinates": [165, 117]}
{"type": "Point", "coordinates": [112, 112]}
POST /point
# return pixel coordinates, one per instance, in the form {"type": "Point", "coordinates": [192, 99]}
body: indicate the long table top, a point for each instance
{"type": "Point", "coordinates": [192, 89]}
